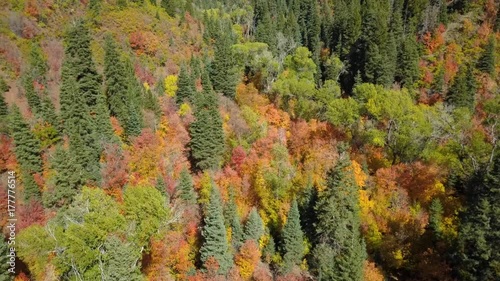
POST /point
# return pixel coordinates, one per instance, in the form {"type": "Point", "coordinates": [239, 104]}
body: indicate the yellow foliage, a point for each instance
{"type": "Point", "coordinates": [170, 85]}
{"type": "Point", "coordinates": [146, 86]}
{"type": "Point", "coordinates": [247, 259]}
{"type": "Point", "coordinates": [205, 188]}
{"type": "Point", "coordinates": [359, 176]}
{"type": "Point", "coordinates": [184, 109]}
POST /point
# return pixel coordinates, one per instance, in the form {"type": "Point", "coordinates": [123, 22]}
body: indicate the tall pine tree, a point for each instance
{"type": "Point", "coordinates": [214, 234]}
{"type": "Point", "coordinates": [340, 250]}
{"type": "Point", "coordinates": [293, 238]}
{"type": "Point", "coordinates": [223, 67]}
{"type": "Point", "coordinates": [254, 227]}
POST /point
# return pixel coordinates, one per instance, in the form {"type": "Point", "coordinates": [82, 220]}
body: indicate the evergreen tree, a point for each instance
{"type": "Point", "coordinates": [4, 110]}
{"type": "Point", "coordinates": [223, 68]}
{"type": "Point", "coordinates": [169, 7]}
{"type": "Point", "coordinates": [161, 186]}
{"type": "Point", "coordinates": [185, 188]}
{"type": "Point", "coordinates": [134, 123]}
{"type": "Point", "coordinates": [408, 61]}
{"type": "Point", "coordinates": [340, 250]}
{"type": "Point", "coordinates": [207, 136]}
{"type": "Point", "coordinates": [31, 189]}
{"type": "Point", "coordinates": [67, 180]}
{"type": "Point", "coordinates": [462, 91]}
{"type": "Point", "coordinates": [48, 111]}
{"type": "Point", "coordinates": [293, 238]}
{"type": "Point", "coordinates": [115, 83]}
{"type": "Point", "coordinates": [436, 217]}
{"type": "Point", "coordinates": [4, 260]}
{"type": "Point", "coordinates": [68, 87]}
{"type": "Point", "coordinates": [479, 232]}
{"type": "Point", "coordinates": [186, 88]}
{"type": "Point", "coordinates": [254, 227]}
{"type": "Point", "coordinates": [79, 56]}
{"type": "Point", "coordinates": [487, 61]}
{"type": "Point", "coordinates": [232, 220]}
{"type": "Point", "coordinates": [27, 147]}
{"type": "Point", "coordinates": [31, 95]}
{"type": "Point", "coordinates": [214, 234]}
{"type": "Point", "coordinates": [38, 65]}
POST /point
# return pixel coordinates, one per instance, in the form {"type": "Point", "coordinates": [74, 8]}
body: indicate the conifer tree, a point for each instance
{"type": "Point", "coordinates": [38, 65]}
{"type": "Point", "coordinates": [487, 61]}
{"type": "Point", "coordinates": [186, 88]}
{"type": "Point", "coordinates": [161, 186]}
{"type": "Point", "coordinates": [436, 217]}
{"type": "Point", "coordinates": [214, 234]}
{"type": "Point", "coordinates": [408, 61]}
{"type": "Point", "coordinates": [67, 180]}
{"type": "Point", "coordinates": [232, 220]}
{"type": "Point", "coordinates": [185, 189]}
{"type": "Point", "coordinates": [31, 95]}
{"type": "Point", "coordinates": [79, 56]}
{"type": "Point", "coordinates": [27, 148]}
{"type": "Point", "coordinates": [121, 260]}
{"type": "Point", "coordinates": [479, 232]}
{"type": "Point", "coordinates": [134, 122]}
{"type": "Point", "coordinates": [4, 261]}
{"type": "Point", "coordinates": [223, 68]}
{"type": "Point", "coordinates": [254, 227]}
{"type": "Point", "coordinates": [207, 136]}
{"type": "Point", "coordinates": [462, 91]}
{"type": "Point", "coordinates": [340, 250]}
{"type": "Point", "coordinates": [4, 110]}
{"type": "Point", "coordinates": [115, 83]}
{"type": "Point", "coordinates": [169, 6]}
{"type": "Point", "coordinates": [48, 111]}
{"type": "Point", "coordinates": [293, 238]}
{"type": "Point", "coordinates": [31, 189]}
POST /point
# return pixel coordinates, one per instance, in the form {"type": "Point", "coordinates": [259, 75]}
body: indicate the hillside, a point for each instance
{"type": "Point", "coordinates": [250, 140]}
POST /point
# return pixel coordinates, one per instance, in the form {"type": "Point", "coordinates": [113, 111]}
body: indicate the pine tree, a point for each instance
{"type": "Point", "coordinates": [115, 83]}
{"type": "Point", "coordinates": [254, 227]}
{"type": "Point", "coordinates": [462, 91]}
{"type": "Point", "coordinates": [67, 180]}
{"type": "Point", "coordinates": [436, 217]}
{"type": "Point", "coordinates": [408, 71]}
{"type": "Point", "coordinates": [79, 56]}
{"type": "Point", "coordinates": [186, 88]}
{"type": "Point", "coordinates": [479, 232]}
{"type": "Point", "coordinates": [4, 110]}
{"type": "Point", "coordinates": [232, 220]}
{"type": "Point", "coordinates": [31, 189]}
{"type": "Point", "coordinates": [4, 261]}
{"type": "Point", "coordinates": [38, 65]}
{"type": "Point", "coordinates": [214, 234]}
{"type": "Point", "coordinates": [293, 238]}
{"type": "Point", "coordinates": [134, 123]}
{"type": "Point", "coordinates": [340, 250]}
{"type": "Point", "coordinates": [185, 188]}
{"type": "Point", "coordinates": [223, 68]}
{"type": "Point", "coordinates": [48, 111]}
{"type": "Point", "coordinates": [169, 6]}
{"type": "Point", "coordinates": [487, 61]}
{"type": "Point", "coordinates": [31, 95]}
{"type": "Point", "coordinates": [27, 147]}
{"type": "Point", "coordinates": [207, 136]}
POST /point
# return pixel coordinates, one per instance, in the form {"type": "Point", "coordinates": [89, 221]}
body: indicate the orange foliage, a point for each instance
{"type": "Point", "coordinates": [144, 42]}
{"type": "Point", "coordinates": [372, 273]}
{"type": "Point", "coordinates": [247, 94]}
{"type": "Point", "coordinates": [7, 157]}
{"type": "Point", "coordinates": [247, 259]}
{"type": "Point", "coordinates": [115, 170]}
{"type": "Point", "coordinates": [144, 157]}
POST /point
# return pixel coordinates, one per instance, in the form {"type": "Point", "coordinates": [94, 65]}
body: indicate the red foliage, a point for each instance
{"type": "Point", "coordinates": [7, 157]}
{"type": "Point", "coordinates": [144, 75]}
{"type": "Point", "coordinates": [238, 157]}
{"type": "Point", "coordinates": [30, 213]}
{"type": "Point", "coordinates": [11, 53]}
{"type": "Point", "coordinates": [115, 171]}
{"type": "Point", "coordinates": [144, 42]}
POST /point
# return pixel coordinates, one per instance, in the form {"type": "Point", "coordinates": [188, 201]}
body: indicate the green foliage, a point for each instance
{"type": "Point", "coordinates": [3, 105]}
{"type": "Point", "coordinates": [487, 61]}
{"type": "Point", "coordinates": [115, 83]}
{"type": "Point", "coordinates": [340, 250]}
{"type": "Point", "coordinates": [27, 148]}
{"type": "Point", "coordinates": [185, 188]}
{"type": "Point", "coordinates": [207, 136]}
{"type": "Point", "coordinates": [232, 220]}
{"type": "Point", "coordinates": [30, 93]}
{"type": "Point", "coordinates": [4, 260]}
{"type": "Point", "coordinates": [34, 246]}
{"type": "Point", "coordinates": [293, 238]}
{"type": "Point", "coordinates": [462, 91]}
{"type": "Point", "coordinates": [31, 189]}
{"type": "Point", "coordinates": [478, 252]}
{"type": "Point", "coordinates": [254, 227]}
{"type": "Point", "coordinates": [214, 235]}
{"type": "Point", "coordinates": [223, 68]}
{"type": "Point", "coordinates": [120, 260]}
{"type": "Point", "coordinates": [436, 217]}
{"type": "Point", "coordinates": [186, 88]}
{"type": "Point", "coordinates": [67, 180]}
{"type": "Point", "coordinates": [147, 208]}
{"type": "Point", "coordinates": [169, 6]}
{"type": "Point", "coordinates": [408, 71]}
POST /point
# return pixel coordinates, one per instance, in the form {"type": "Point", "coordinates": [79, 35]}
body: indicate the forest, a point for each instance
{"type": "Point", "coordinates": [283, 140]}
